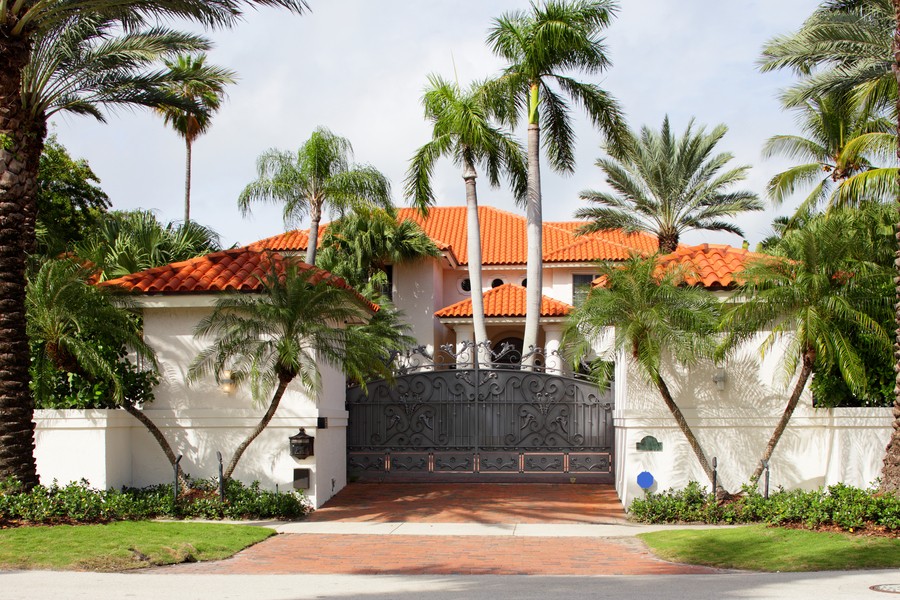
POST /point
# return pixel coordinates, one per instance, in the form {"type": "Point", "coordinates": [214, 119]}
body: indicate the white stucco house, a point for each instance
{"type": "Point", "coordinates": [509, 427]}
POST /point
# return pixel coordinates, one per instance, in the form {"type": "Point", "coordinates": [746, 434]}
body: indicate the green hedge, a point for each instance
{"type": "Point", "coordinates": [79, 503]}
{"type": "Point", "coordinates": [838, 505]}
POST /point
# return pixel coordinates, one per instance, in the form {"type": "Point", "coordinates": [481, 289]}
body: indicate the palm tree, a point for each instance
{"type": "Point", "coordinates": [277, 337]}
{"type": "Point", "coordinates": [462, 131]}
{"type": "Point", "coordinates": [60, 58]}
{"type": "Point", "coordinates": [540, 47]}
{"type": "Point", "coordinates": [76, 327]}
{"type": "Point", "coordinates": [653, 316]}
{"type": "Point", "coordinates": [200, 84]}
{"type": "Point", "coordinates": [128, 242]}
{"type": "Point", "coordinates": [813, 298]}
{"type": "Point", "coordinates": [665, 186]}
{"type": "Point", "coordinates": [319, 174]}
{"type": "Point", "coordinates": [843, 47]}
{"type": "Point", "coordinates": [841, 141]}
{"type": "Point", "coordinates": [360, 246]}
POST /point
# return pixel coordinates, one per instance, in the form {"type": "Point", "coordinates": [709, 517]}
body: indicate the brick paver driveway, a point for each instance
{"type": "Point", "coordinates": [455, 554]}
{"type": "Point", "coordinates": [473, 503]}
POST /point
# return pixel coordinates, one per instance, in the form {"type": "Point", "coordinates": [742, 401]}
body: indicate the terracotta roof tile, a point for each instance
{"type": "Point", "coordinates": [235, 270]}
{"type": "Point", "coordinates": [507, 300]}
{"type": "Point", "coordinates": [503, 238]}
{"type": "Point", "coordinates": [711, 265]}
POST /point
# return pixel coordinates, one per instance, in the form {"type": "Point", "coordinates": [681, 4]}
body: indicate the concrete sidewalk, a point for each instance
{"type": "Point", "coordinates": [477, 529]}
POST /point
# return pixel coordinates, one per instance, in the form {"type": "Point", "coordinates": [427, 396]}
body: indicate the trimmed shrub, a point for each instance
{"type": "Point", "coordinates": [79, 503]}
{"type": "Point", "coordinates": [839, 505]}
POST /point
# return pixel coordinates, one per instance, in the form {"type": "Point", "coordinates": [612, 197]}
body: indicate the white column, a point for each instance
{"type": "Point", "coordinates": [464, 333]}
{"type": "Point", "coordinates": [552, 340]}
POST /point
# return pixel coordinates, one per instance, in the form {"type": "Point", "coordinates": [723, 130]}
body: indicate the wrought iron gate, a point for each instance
{"type": "Point", "coordinates": [442, 420]}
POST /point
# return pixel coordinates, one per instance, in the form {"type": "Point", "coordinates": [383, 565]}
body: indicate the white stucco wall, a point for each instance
{"type": "Point", "coordinates": [198, 420]}
{"type": "Point", "coordinates": [819, 447]}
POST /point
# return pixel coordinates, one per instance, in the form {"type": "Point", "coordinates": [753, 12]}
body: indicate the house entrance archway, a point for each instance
{"type": "Point", "coordinates": [446, 420]}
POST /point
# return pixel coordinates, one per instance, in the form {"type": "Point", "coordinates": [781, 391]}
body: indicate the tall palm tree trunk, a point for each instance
{"type": "Point", "coordinates": [187, 181]}
{"type": "Point", "coordinates": [687, 431]}
{"type": "Point", "coordinates": [473, 240]}
{"type": "Point", "coordinates": [270, 412]}
{"type": "Point", "coordinates": [534, 223]}
{"type": "Point", "coordinates": [160, 439]}
{"type": "Point", "coordinates": [16, 403]}
{"type": "Point", "coordinates": [315, 216]}
{"type": "Point", "coordinates": [890, 470]}
{"type": "Point", "coordinates": [805, 372]}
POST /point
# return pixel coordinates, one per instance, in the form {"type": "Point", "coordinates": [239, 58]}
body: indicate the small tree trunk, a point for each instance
{"type": "Point", "coordinates": [315, 216]}
{"type": "Point", "coordinates": [890, 470]}
{"type": "Point", "coordinates": [187, 181]}
{"type": "Point", "coordinates": [473, 237]}
{"type": "Point", "coordinates": [688, 433]}
{"type": "Point", "coordinates": [805, 372]}
{"type": "Point", "coordinates": [16, 178]}
{"type": "Point", "coordinates": [160, 439]}
{"type": "Point", "coordinates": [534, 224]}
{"type": "Point", "coordinates": [270, 412]}
{"type": "Point", "coordinates": [668, 241]}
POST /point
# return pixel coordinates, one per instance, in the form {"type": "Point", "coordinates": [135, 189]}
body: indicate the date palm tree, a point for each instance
{"type": "Point", "coordinates": [843, 145]}
{"type": "Point", "coordinates": [200, 84]}
{"type": "Point", "coordinates": [653, 316]}
{"type": "Point", "coordinates": [541, 46]}
{"type": "Point", "coordinates": [462, 131]}
{"type": "Point", "coordinates": [275, 338]}
{"type": "Point", "coordinates": [665, 185]}
{"type": "Point", "coordinates": [317, 176]}
{"type": "Point", "coordinates": [814, 298]}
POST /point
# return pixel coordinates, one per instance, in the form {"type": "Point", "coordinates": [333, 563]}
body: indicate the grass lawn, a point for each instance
{"type": "Point", "coordinates": [123, 545]}
{"type": "Point", "coordinates": [760, 548]}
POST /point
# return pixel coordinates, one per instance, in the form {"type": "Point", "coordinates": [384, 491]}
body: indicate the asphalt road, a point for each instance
{"type": "Point", "coordinates": [843, 585]}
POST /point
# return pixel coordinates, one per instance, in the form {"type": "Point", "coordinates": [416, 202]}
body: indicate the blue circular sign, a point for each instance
{"type": "Point", "coordinates": [645, 480]}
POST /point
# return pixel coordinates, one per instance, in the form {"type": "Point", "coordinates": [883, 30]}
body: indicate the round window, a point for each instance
{"type": "Point", "coordinates": [496, 283]}
{"type": "Point", "coordinates": [525, 283]}
{"type": "Point", "coordinates": [465, 285]}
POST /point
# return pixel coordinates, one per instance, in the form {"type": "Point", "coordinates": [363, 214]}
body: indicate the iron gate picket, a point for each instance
{"type": "Point", "coordinates": [445, 421]}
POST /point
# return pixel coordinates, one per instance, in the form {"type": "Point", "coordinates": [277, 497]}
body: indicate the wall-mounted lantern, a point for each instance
{"type": "Point", "coordinates": [301, 444]}
{"type": "Point", "coordinates": [719, 378]}
{"type": "Point", "coordinates": [226, 382]}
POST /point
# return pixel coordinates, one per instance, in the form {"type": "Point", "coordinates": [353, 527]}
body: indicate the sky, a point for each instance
{"type": "Point", "coordinates": [359, 68]}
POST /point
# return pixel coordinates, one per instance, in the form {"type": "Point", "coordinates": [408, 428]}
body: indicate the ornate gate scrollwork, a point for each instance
{"type": "Point", "coordinates": [448, 417]}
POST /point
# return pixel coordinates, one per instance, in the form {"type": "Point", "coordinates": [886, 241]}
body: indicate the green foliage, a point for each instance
{"type": "Point", "coordinates": [361, 245]}
{"type": "Point", "coordinates": [79, 503]}
{"type": "Point", "coordinates": [130, 241]}
{"type": "Point", "coordinates": [69, 199]}
{"type": "Point", "coordinates": [838, 505]}
{"type": "Point", "coordinates": [79, 340]}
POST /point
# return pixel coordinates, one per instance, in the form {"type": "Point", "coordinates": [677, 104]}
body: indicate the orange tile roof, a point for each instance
{"type": "Point", "coordinates": [235, 270]}
{"type": "Point", "coordinates": [710, 265]}
{"type": "Point", "coordinates": [503, 238]}
{"type": "Point", "coordinates": [507, 300]}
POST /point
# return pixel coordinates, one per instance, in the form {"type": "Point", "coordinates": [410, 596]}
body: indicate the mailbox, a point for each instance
{"type": "Point", "coordinates": [301, 444]}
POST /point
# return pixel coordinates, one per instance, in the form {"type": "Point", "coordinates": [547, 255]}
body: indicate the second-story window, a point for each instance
{"type": "Point", "coordinates": [581, 285]}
